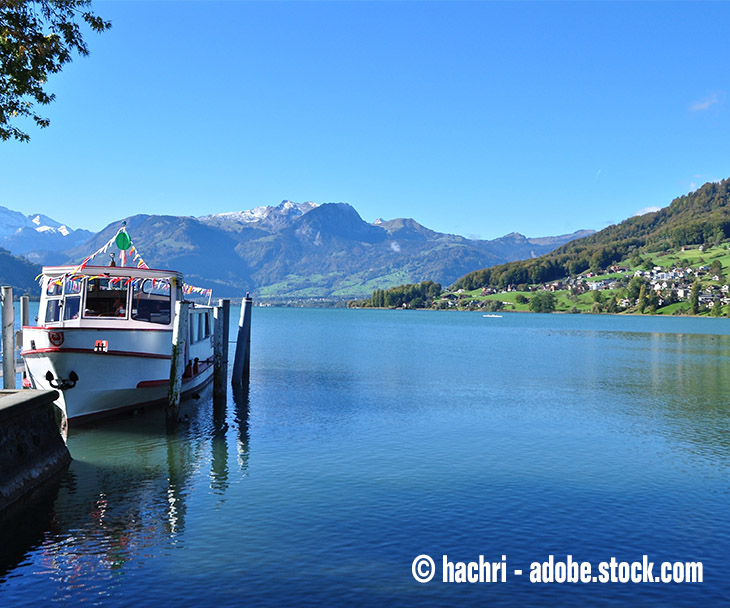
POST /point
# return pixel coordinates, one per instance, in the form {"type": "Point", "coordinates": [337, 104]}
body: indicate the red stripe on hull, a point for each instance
{"type": "Point", "coordinates": [99, 328]}
{"type": "Point", "coordinates": [91, 351]}
{"type": "Point", "coordinates": [203, 367]}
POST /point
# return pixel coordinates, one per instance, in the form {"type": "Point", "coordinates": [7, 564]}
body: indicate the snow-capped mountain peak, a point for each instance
{"type": "Point", "coordinates": [24, 233]}
{"type": "Point", "coordinates": [265, 216]}
{"type": "Point", "coordinates": [41, 220]}
{"type": "Point", "coordinates": [43, 223]}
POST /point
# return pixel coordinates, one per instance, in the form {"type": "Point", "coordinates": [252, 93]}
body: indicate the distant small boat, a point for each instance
{"type": "Point", "coordinates": [493, 316]}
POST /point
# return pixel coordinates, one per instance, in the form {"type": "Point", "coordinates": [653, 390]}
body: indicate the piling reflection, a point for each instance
{"type": "Point", "coordinates": [219, 446]}
{"type": "Point", "coordinates": [241, 401]}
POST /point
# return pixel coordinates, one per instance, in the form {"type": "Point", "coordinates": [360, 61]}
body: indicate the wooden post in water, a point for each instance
{"type": "Point", "coordinates": [226, 304]}
{"type": "Point", "coordinates": [24, 311]}
{"type": "Point", "coordinates": [24, 322]}
{"type": "Point", "coordinates": [8, 337]}
{"type": "Point", "coordinates": [220, 369]}
{"type": "Point", "coordinates": [177, 364]}
{"type": "Point", "coordinates": [241, 363]}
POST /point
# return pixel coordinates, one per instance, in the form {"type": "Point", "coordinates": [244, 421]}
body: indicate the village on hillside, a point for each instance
{"type": "Point", "coordinates": [690, 280]}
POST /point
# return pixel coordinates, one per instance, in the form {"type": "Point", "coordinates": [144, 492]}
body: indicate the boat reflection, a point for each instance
{"type": "Point", "coordinates": [124, 498]}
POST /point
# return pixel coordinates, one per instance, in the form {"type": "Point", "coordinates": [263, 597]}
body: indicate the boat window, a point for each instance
{"type": "Point", "coordinates": [199, 326]}
{"type": "Point", "coordinates": [194, 325]}
{"type": "Point", "coordinates": [151, 301]}
{"type": "Point", "coordinates": [72, 285]}
{"type": "Point", "coordinates": [71, 307]}
{"type": "Point", "coordinates": [54, 287]}
{"type": "Point", "coordinates": [53, 310]}
{"type": "Point", "coordinates": [106, 298]}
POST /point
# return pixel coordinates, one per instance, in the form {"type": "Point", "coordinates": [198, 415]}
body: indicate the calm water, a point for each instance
{"type": "Point", "coordinates": [369, 437]}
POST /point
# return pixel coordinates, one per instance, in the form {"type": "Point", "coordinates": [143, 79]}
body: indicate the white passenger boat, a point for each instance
{"type": "Point", "coordinates": [103, 337]}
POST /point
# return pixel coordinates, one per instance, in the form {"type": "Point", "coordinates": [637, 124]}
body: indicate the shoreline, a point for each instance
{"type": "Point", "coordinates": [529, 312]}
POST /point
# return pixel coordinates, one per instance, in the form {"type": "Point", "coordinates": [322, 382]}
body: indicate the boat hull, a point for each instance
{"type": "Point", "coordinates": [107, 380]}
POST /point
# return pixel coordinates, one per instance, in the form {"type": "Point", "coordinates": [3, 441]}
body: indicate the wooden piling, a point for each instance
{"type": "Point", "coordinates": [24, 322]}
{"type": "Point", "coordinates": [226, 304]}
{"type": "Point", "coordinates": [220, 368]}
{"type": "Point", "coordinates": [8, 338]}
{"type": "Point", "coordinates": [177, 364]}
{"type": "Point", "coordinates": [241, 363]}
{"type": "Point", "coordinates": [24, 311]}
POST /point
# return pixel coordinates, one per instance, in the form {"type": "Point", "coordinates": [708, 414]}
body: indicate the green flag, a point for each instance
{"type": "Point", "coordinates": [123, 241]}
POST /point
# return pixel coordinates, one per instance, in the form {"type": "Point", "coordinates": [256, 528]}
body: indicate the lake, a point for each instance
{"type": "Point", "coordinates": [368, 438]}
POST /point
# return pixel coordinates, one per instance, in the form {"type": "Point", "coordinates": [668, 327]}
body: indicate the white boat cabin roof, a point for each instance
{"type": "Point", "coordinates": [111, 271]}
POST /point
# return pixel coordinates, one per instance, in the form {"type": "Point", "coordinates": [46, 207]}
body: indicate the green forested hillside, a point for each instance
{"type": "Point", "coordinates": [702, 216]}
{"type": "Point", "coordinates": [19, 273]}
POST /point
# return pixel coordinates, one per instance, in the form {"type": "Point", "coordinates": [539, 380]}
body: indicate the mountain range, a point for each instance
{"type": "Point", "coordinates": [291, 250]}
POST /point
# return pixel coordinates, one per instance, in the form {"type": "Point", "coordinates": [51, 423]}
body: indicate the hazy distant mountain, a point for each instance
{"type": "Point", "coordinates": [520, 247]}
{"type": "Point", "coordinates": [305, 250]}
{"type": "Point", "coordinates": [556, 241]}
{"type": "Point", "coordinates": [37, 236]}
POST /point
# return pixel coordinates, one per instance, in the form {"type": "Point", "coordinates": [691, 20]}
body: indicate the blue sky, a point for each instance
{"type": "Point", "coordinates": [475, 118]}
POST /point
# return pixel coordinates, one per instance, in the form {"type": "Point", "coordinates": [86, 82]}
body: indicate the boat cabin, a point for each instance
{"type": "Point", "coordinates": [102, 295]}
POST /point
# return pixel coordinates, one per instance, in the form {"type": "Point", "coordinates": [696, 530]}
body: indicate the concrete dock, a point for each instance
{"type": "Point", "coordinates": [32, 449]}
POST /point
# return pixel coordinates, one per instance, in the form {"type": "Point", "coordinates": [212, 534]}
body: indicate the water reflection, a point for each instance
{"type": "Point", "coordinates": [672, 385]}
{"type": "Point", "coordinates": [386, 439]}
{"type": "Point", "coordinates": [679, 385]}
{"type": "Point", "coordinates": [24, 527]}
{"type": "Point", "coordinates": [124, 498]}
{"type": "Point", "coordinates": [241, 409]}
{"type": "Point", "coordinates": [219, 448]}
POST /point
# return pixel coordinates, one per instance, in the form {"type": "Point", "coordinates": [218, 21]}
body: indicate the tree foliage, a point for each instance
{"type": "Point", "coordinates": [612, 305]}
{"type": "Point", "coordinates": [694, 298]}
{"type": "Point", "coordinates": [641, 299]}
{"type": "Point", "coordinates": [636, 284]}
{"type": "Point", "coordinates": [416, 295]}
{"type": "Point", "coordinates": [542, 301]}
{"type": "Point", "coordinates": [716, 269]}
{"type": "Point", "coordinates": [37, 37]}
